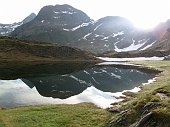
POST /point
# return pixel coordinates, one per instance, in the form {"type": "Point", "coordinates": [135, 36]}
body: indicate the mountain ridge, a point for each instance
{"type": "Point", "coordinates": [66, 25]}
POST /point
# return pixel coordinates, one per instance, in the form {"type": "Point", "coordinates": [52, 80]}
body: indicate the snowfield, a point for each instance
{"type": "Point", "coordinates": [130, 59]}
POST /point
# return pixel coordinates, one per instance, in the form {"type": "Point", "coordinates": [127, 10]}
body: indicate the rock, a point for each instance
{"type": "Point", "coordinates": [115, 108]}
{"type": "Point", "coordinates": [120, 120]}
{"type": "Point", "coordinates": [120, 97]}
{"type": "Point", "coordinates": [150, 106]}
{"type": "Point", "coordinates": [163, 96]}
{"type": "Point", "coordinates": [143, 120]}
{"type": "Point", "coordinates": [129, 94]}
{"type": "Point", "coordinates": [167, 57]}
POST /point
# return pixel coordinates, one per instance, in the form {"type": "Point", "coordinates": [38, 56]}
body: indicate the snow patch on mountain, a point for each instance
{"type": "Point", "coordinates": [148, 45]}
{"type": "Point", "coordinates": [134, 46]}
{"type": "Point", "coordinates": [96, 35]}
{"type": "Point", "coordinates": [5, 29]}
{"type": "Point", "coordinates": [66, 29]}
{"type": "Point", "coordinates": [82, 25]}
{"type": "Point", "coordinates": [56, 12]}
{"type": "Point", "coordinates": [77, 27]}
{"type": "Point", "coordinates": [42, 21]}
{"type": "Point", "coordinates": [17, 25]}
{"type": "Point", "coordinates": [86, 36]}
{"type": "Point", "coordinates": [106, 45]}
{"type": "Point", "coordinates": [98, 26]}
{"type": "Point", "coordinates": [114, 35]}
{"type": "Point", "coordinates": [119, 33]}
{"type": "Point", "coordinates": [105, 38]}
{"type": "Point", "coordinates": [65, 12]}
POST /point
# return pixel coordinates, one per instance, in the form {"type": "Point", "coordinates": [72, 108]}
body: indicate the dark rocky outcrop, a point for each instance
{"type": "Point", "coordinates": [145, 118]}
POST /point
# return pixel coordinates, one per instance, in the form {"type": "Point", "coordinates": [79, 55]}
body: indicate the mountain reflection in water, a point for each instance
{"type": "Point", "coordinates": [63, 81]}
{"type": "Point", "coordinates": [104, 78]}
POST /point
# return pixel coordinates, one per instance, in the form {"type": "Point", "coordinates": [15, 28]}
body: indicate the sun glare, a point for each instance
{"type": "Point", "coordinates": [145, 14]}
{"type": "Point", "coordinates": [144, 24]}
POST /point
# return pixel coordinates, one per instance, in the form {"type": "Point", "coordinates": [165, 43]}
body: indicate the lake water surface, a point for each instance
{"type": "Point", "coordinates": [67, 83]}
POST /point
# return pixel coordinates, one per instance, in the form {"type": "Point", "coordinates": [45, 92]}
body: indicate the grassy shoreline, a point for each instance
{"type": "Point", "coordinates": [87, 115]}
{"type": "Point", "coordinates": [151, 106]}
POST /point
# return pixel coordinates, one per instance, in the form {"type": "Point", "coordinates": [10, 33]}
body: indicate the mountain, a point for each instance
{"type": "Point", "coordinates": [65, 25]}
{"type": "Point", "coordinates": [12, 49]}
{"type": "Point", "coordinates": [115, 33]}
{"type": "Point", "coordinates": [6, 29]}
{"type": "Point", "coordinates": [60, 23]}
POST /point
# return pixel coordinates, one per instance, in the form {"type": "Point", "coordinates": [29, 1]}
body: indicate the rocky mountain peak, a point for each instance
{"type": "Point", "coordinates": [62, 15]}
{"type": "Point", "coordinates": [29, 18]}
{"type": "Point", "coordinates": [6, 29]}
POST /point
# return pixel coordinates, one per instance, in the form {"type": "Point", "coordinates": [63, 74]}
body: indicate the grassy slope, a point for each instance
{"type": "Point", "coordinates": [12, 49]}
{"type": "Point", "coordinates": [89, 115]}
{"type": "Point", "coordinates": [80, 115]}
{"type": "Point", "coordinates": [136, 106]}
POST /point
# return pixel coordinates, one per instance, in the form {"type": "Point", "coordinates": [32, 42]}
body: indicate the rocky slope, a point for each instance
{"type": "Point", "coordinates": [6, 29]}
{"type": "Point", "coordinates": [66, 25]}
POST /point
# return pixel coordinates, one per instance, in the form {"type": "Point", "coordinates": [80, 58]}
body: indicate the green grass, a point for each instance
{"type": "Point", "coordinates": [148, 95]}
{"type": "Point", "coordinates": [80, 115]}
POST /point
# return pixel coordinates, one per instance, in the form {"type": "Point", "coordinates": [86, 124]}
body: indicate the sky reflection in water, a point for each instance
{"type": "Point", "coordinates": [96, 84]}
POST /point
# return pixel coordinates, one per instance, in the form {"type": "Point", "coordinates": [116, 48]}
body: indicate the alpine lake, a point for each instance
{"type": "Point", "coordinates": [67, 83]}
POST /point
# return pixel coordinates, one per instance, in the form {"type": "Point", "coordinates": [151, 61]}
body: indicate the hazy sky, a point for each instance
{"type": "Point", "coordinates": [143, 13]}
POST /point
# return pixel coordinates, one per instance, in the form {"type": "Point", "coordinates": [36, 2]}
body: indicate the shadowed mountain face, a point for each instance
{"type": "Point", "coordinates": [6, 29]}
{"type": "Point", "coordinates": [65, 25]}
{"type": "Point", "coordinates": [57, 24]}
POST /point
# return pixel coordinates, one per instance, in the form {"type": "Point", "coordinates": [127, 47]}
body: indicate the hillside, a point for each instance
{"type": "Point", "coordinates": [12, 49]}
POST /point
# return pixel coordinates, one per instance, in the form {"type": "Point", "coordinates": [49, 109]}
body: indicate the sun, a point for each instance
{"type": "Point", "coordinates": [146, 14]}
{"type": "Point", "coordinates": [144, 24]}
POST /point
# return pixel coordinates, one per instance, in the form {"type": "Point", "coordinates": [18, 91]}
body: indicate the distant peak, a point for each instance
{"type": "Point", "coordinates": [29, 18]}
{"type": "Point", "coordinates": [32, 14]}
{"type": "Point", "coordinates": [63, 5]}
